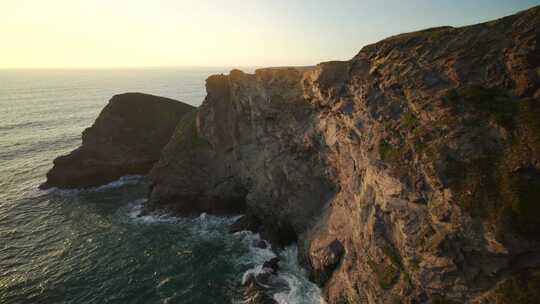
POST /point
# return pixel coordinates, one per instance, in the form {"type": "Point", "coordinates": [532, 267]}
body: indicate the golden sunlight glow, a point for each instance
{"type": "Point", "coordinates": [121, 33]}
{"type": "Point", "coordinates": [153, 33]}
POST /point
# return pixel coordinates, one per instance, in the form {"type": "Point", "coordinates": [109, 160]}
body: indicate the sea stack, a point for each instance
{"type": "Point", "coordinates": [126, 139]}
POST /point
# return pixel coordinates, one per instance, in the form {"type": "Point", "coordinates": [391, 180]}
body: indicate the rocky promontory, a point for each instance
{"type": "Point", "coordinates": [408, 174]}
{"type": "Point", "coordinates": [126, 139]}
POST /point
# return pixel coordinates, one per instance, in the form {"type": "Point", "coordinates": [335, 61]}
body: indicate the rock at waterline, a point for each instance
{"type": "Point", "coordinates": [126, 139]}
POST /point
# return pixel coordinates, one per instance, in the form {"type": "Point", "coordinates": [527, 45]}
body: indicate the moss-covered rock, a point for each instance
{"type": "Point", "coordinates": [503, 184]}
{"type": "Point", "coordinates": [489, 101]}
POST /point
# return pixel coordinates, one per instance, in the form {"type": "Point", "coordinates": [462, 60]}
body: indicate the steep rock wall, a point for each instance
{"type": "Point", "coordinates": [261, 141]}
{"type": "Point", "coordinates": [408, 174]}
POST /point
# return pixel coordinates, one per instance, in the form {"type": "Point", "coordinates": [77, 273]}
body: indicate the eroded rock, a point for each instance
{"type": "Point", "coordinates": [126, 139]}
{"type": "Point", "coordinates": [404, 173]}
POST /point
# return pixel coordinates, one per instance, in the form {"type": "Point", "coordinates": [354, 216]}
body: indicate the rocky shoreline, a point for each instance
{"type": "Point", "coordinates": [126, 139]}
{"type": "Point", "coordinates": [408, 174]}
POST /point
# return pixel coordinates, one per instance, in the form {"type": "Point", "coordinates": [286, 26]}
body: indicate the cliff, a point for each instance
{"type": "Point", "coordinates": [408, 174]}
{"type": "Point", "coordinates": [126, 139]}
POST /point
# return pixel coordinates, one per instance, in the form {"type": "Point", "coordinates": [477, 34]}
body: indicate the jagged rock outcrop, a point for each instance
{"type": "Point", "coordinates": [126, 139]}
{"type": "Point", "coordinates": [409, 174]}
{"type": "Point", "coordinates": [256, 146]}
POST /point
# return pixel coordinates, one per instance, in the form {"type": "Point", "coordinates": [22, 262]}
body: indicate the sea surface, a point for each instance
{"type": "Point", "coordinates": [90, 246]}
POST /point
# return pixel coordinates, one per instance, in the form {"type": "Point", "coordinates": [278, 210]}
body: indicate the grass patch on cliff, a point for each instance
{"type": "Point", "coordinates": [522, 187]}
{"type": "Point", "coordinates": [501, 186]}
{"type": "Point", "coordinates": [392, 255]}
{"type": "Point", "coordinates": [504, 184]}
{"type": "Point", "coordinates": [410, 122]}
{"type": "Point", "coordinates": [477, 184]}
{"type": "Point", "coordinates": [389, 277]}
{"type": "Point", "coordinates": [489, 189]}
{"type": "Point", "coordinates": [522, 288]}
{"type": "Point", "coordinates": [493, 102]}
{"type": "Point", "coordinates": [387, 152]}
{"type": "Point", "coordinates": [395, 150]}
{"type": "Point", "coordinates": [394, 157]}
{"type": "Point", "coordinates": [433, 33]}
{"type": "Point", "coordinates": [528, 122]}
{"type": "Point", "coordinates": [186, 137]}
{"type": "Point", "coordinates": [438, 299]}
{"type": "Point", "coordinates": [388, 272]}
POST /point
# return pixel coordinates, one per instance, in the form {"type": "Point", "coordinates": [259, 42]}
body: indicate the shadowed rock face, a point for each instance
{"type": "Point", "coordinates": [125, 139]}
{"type": "Point", "coordinates": [408, 174]}
{"type": "Point", "coordinates": [251, 143]}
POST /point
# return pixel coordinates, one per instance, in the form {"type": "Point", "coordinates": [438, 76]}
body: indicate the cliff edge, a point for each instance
{"type": "Point", "coordinates": [126, 139]}
{"type": "Point", "coordinates": [408, 174]}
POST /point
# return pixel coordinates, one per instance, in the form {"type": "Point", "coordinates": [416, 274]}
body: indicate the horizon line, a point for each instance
{"type": "Point", "coordinates": [135, 67]}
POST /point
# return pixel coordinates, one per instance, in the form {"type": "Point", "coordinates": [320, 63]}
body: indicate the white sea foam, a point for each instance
{"type": "Point", "coordinates": [257, 256]}
{"type": "Point", "coordinates": [122, 181]}
{"type": "Point", "coordinates": [252, 272]}
{"type": "Point", "coordinates": [57, 191]}
{"type": "Point", "coordinates": [297, 287]}
{"type": "Point", "coordinates": [203, 224]}
{"type": "Point", "coordinates": [135, 210]}
{"type": "Point", "coordinates": [163, 282]}
{"type": "Point", "coordinates": [300, 289]}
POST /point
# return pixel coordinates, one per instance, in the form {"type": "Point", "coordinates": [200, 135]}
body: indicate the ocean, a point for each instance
{"type": "Point", "coordinates": [90, 246]}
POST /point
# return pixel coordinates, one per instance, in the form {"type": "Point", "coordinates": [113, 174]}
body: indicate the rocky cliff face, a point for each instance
{"type": "Point", "coordinates": [258, 140]}
{"type": "Point", "coordinates": [409, 174]}
{"type": "Point", "coordinates": [126, 138]}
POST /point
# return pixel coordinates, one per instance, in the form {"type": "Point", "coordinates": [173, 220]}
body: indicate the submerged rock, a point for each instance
{"type": "Point", "coordinates": [257, 291]}
{"type": "Point", "coordinates": [126, 139]}
{"type": "Point", "coordinates": [272, 265]}
{"type": "Point", "coordinates": [408, 174]}
{"type": "Point", "coordinates": [260, 286]}
{"type": "Point", "coordinates": [246, 223]}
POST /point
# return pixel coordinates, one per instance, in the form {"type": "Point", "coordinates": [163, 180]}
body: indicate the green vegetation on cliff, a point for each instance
{"type": "Point", "coordinates": [522, 288]}
{"type": "Point", "coordinates": [186, 135]}
{"type": "Point", "coordinates": [506, 182]}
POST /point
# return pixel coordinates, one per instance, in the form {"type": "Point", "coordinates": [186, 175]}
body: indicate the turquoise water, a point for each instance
{"type": "Point", "coordinates": [89, 246]}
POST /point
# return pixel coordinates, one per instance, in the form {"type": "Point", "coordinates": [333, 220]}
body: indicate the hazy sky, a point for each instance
{"type": "Point", "coordinates": [142, 33]}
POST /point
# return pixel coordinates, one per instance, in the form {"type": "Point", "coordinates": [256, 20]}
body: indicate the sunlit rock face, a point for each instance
{"type": "Point", "coordinates": [408, 174]}
{"type": "Point", "coordinates": [125, 139]}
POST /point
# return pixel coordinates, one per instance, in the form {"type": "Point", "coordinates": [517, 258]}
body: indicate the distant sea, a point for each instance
{"type": "Point", "coordinates": [89, 246]}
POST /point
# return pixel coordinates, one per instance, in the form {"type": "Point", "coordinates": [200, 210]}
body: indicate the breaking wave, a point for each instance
{"type": "Point", "coordinates": [293, 285]}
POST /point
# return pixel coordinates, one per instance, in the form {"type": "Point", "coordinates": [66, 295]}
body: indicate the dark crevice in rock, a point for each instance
{"type": "Point", "coordinates": [246, 222]}
{"type": "Point", "coordinates": [277, 236]}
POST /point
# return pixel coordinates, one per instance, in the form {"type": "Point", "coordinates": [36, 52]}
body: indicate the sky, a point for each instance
{"type": "Point", "coordinates": [227, 33]}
